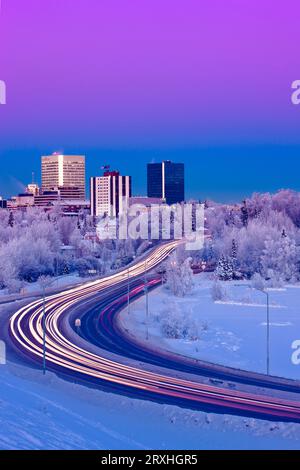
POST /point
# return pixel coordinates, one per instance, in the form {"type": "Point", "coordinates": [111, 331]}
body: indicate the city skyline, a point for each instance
{"type": "Point", "coordinates": [270, 177]}
{"type": "Point", "coordinates": [152, 82]}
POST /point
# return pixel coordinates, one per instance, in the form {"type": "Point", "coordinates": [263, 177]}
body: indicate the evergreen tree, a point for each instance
{"type": "Point", "coordinates": [11, 219]}
{"type": "Point", "coordinates": [234, 250]}
{"type": "Point", "coordinates": [225, 270]}
{"type": "Point", "coordinates": [244, 214]}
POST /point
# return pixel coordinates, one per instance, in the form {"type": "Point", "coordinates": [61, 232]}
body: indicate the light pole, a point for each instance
{"type": "Point", "coordinates": [147, 301]}
{"type": "Point", "coordinates": [44, 282]}
{"type": "Point", "coordinates": [268, 329]}
{"type": "Point", "coordinates": [128, 293]}
{"type": "Point", "coordinates": [268, 319]}
{"type": "Point", "coordinates": [44, 330]}
{"type": "Point", "coordinates": [56, 270]}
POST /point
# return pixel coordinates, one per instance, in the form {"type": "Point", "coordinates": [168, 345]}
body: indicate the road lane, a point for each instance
{"type": "Point", "coordinates": [63, 355]}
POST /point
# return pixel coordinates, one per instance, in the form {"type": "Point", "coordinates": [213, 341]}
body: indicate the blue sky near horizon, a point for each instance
{"type": "Point", "coordinates": [205, 83]}
{"type": "Point", "coordinates": [224, 173]}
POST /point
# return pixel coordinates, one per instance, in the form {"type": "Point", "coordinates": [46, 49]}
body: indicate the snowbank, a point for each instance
{"type": "Point", "coordinates": [230, 332]}
{"type": "Point", "coordinates": [40, 412]}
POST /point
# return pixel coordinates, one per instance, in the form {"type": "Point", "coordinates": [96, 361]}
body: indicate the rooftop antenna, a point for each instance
{"type": "Point", "coordinates": [32, 176]}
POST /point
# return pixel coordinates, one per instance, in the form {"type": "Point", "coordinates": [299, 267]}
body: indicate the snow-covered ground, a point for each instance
{"type": "Point", "coordinates": [34, 288]}
{"type": "Point", "coordinates": [230, 332]}
{"type": "Point", "coordinates": [39, 412]}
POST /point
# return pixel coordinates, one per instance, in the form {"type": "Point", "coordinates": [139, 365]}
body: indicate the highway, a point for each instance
{"type": "Point", "coordinates": [97, 303]}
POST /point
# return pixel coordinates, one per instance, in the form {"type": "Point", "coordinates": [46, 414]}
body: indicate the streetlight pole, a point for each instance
{"type": "Point", "coordinates": [44, 331]}
{"type": "Point", "coordinates": [147, 302]}
{"type": "Point", "coordinates": [268, 330]}
{"type": "Point", "coordinates": [44, 282]}
{"type": "Point", "coordinates": [128, 293]}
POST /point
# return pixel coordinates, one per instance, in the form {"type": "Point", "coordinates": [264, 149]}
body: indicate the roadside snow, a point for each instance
{"type": "Point", "coordinates": [230, 332]}
{"type": "Point", "coordinates": [34, 289]}
{"type": "Point", "coordinates": [38, 412]}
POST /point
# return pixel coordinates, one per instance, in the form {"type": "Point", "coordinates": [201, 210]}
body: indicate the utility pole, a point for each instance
{"type": "Point", "coordinates": [128, 293]}
{"type": "Point", "coordinates": [44, 330]}
{"type": "Point", "coordinates": [268, 332]}
{"type": "Point", "coordinates": [147, 302]}
{"type": "Point", "coordinates": [44, 282]}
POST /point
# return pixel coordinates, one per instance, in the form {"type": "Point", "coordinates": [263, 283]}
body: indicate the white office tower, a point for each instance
{"type": "Point", "coordinates": [64, 171]}
{"type": "Point", "coordinates": [108, 193]}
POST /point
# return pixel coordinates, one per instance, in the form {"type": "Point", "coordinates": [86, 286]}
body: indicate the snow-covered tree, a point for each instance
{"type": "Point", "coordinates": [279, 259]}
{"type": "Point", "coordinates": [179, 275]}
{"type": "Point", "coordinates": [218, 292]}
{"type": "Point", "coordinates": [234, 251]}
{"type": "Point", "coordinates": [258, 282]}
{"type": "Point", "coordinates": [244, 214]}
{"type": "Point", "coordinates": [225, 270]}
{"type": "Point", "coordinates": [66, 227]}
{"type": "Point", "coordinates": [11, 219]}
{"type": "Point", "coordinates": [176, 323]}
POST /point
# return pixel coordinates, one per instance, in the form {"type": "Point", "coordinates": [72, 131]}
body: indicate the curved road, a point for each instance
{"type": "Point", "coordinates": [97, 303]}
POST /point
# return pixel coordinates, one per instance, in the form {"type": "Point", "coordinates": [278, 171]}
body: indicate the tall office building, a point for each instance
{"type": "Point", "coordinates": [64, 171]}
{"type": "Point", "coordinates": [166, 180]}
{"type": "Point", "coordinates": [108, 193]}
{"type": "Point", "coordinates": [3, 203]}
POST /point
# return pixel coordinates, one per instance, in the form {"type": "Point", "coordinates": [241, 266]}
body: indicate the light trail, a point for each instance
{"type": "Point", "coordinates": [63, 355]}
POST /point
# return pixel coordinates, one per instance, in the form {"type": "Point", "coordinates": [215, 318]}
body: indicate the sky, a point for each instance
{"type": "Point", "coordinates": [126, 82]}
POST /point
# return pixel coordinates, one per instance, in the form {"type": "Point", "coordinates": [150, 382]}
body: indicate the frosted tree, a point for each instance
{"type": "Point", "coordinates": [280, 258]}
{"type": "Point", "coordinates": [176, 323]}
{"type": "Point", "coordinates": [66, 227]}
{"type": "Point", "coordinates": [11, 219]}
{"type": "Point", "coordinates": [225, 271]}
{"type": "Point", "coordinates": [234, 257]}
{"type": "Point", "coordinates": [258, 282]}
{"type": "Point", "coordinates": [187, 276]}
{"type": "Point", "coordinates": [218, 292]}
{"type": "Point", "coordinates": [244, 214]}
{"type": "Point", "coordinates": [234, 249]}
{"type": "Point", "coordinates": [179, 275]}
{"type": "Point", "coordinates": [288, 202]}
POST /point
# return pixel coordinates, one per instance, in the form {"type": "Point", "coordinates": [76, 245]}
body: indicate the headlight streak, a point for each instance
{"type": "Point", "coordinates": [27, 332]}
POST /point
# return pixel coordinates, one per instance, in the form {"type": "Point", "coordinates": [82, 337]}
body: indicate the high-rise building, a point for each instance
{"type": "Point", "coordinates": [3, 203]}
{"type": "Point", "coordinates": [166, 180]}
{"type": "Point", "coordinates": [64, 171]}
{"type": "Point", "coordinates": [108, 193]}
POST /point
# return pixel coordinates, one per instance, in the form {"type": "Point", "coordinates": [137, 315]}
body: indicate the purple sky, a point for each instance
{"type": "Point", "coordinates": [106, 76]}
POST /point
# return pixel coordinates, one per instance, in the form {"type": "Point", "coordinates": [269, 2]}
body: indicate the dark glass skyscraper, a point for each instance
{"type": "Point", "coordinates": [166, 181]}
